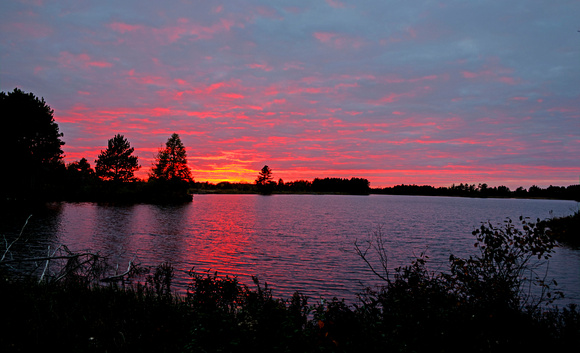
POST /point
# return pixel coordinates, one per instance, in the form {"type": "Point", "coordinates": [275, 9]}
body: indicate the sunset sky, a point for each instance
{"type": "Point", "coordinates": [413, 92]}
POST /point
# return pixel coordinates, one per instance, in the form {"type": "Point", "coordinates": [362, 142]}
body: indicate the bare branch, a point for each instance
{"type": "Point", "coordinates": [15, 240]}
{"type": "Point", "coordinates": [363, 255]}
{"type": "Point", "coordinates": [130, 269]}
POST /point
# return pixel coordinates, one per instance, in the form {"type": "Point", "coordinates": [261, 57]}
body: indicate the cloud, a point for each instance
{"type": "Point", "coordinates": [338, 40]}
{"type": "Point", "coordinates": [415, 93]}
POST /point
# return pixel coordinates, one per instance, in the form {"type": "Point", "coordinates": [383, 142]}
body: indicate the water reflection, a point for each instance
{"type": "Point", "coordinates": [293, 242]}
{"type": "Point", "coordinates": [36, 229]}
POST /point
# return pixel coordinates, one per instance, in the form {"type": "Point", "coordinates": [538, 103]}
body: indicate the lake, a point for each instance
{"type": "Point", "coordinates": [292, 242]}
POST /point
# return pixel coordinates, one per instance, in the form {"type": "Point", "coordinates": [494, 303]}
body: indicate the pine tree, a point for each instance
{"type": "Point", "coordinates": [264, 181]}
{"type": "Point", "coordinates": [116, 163]}
{"type": "Point", "coordinates": [171, 162]}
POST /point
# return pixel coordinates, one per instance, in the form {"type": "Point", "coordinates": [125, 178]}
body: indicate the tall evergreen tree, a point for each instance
{"type": "Point", "coordinates": [117, 163]}
{"type": "Point", "coordinates": [264, 181]}
{"type": "Point", "coordinates": [171, 162]}
{"type": "Point", "coordinates": [30, 140]}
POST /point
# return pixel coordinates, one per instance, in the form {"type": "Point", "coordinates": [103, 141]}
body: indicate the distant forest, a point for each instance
{"type": "Point", "coordinates": [354, 186]}
{"type": "Point", "coordinates": [571, 192]}
{"type": "Point", "coordinates": [361, 186]}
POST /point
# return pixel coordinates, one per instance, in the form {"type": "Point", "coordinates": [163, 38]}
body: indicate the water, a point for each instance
{"type": "Point", "coordinates": [292, 242]}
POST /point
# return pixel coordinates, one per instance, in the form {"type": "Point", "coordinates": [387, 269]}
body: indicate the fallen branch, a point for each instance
{"type": "Point", "coordinates": [130, 269]}
{"type": "Point", "coordinates": [49, 258]}
{"type": "Point", "coordinates": [15, 240]}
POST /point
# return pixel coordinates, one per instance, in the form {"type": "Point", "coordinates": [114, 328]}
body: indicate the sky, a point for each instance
{"type": "Point", "coordinates": [398, 92]}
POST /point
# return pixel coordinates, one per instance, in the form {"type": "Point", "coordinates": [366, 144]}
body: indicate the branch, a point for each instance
{"type": "Point", "coordinates": [48, 258]}
{"type": "Point", "coordinates": [15, 240]}
{"type": "Point", "coordinates": [120, 276]}
{"type": "Point", "coordinates": [363, 256]}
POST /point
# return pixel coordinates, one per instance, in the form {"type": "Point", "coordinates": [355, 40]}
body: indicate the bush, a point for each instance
{"type": "Point", "coordinates": [482, 303]}
{"type": "Point", "coordinates": [565, 230]}
{"type": "Point", "coordinates": [501, 276]}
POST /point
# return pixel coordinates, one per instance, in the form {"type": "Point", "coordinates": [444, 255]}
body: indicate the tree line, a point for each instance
{"type": "Point", "coordinates": [265, 184]}
{"type": "Point", "coordinates": [571, 192]}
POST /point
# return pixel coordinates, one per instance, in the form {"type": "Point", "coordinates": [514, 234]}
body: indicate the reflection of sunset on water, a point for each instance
{"type": "Point", "coordinates": [292, 242]}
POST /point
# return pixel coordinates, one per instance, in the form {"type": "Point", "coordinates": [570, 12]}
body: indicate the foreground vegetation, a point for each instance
{"type": "Point", "coordinates": [482, 303]}
{"type": "Point", "coordinates": [565, 230]}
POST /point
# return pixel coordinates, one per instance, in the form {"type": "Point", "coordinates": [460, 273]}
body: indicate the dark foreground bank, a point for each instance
{"type": "Point", "coordinates": [221, 315]}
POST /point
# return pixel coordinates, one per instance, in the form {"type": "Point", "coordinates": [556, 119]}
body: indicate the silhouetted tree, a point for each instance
{"type": "Point", "coordinates": [350, 186]}
{"type": "Point", "coordinates": [299, 186]}
{"type": "Point", "coordinates": [80, 170]}
{"type": "Point", "coordinates": [281, 185]}
{"type": "Point", "coordinates": [171, 162]}
{"type": "Point", "coordinates": [264, 181]}
{"type": "Point", "coordinates": [81, 181]}
{"type": "Point", "coordinates": [31, 145]}
{"type": "Point", "coordinates": [170, 177]}
{"type": "Point", "coordinates": [116, 163]}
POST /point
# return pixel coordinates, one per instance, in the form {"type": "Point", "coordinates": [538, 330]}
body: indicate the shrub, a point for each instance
{"type": "Point", "coordinates": [482, 303]}
{"type": "Point", "coordinates": [504, 272]}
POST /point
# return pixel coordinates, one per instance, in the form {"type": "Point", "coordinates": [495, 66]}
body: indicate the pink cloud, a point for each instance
{"type": "Point", "coordinates": [492, 71]}
{"type": "Point", "coordinates": [268, 12]}
{"type": "Point", "coordinates": [215, 86]}
{"type": "Point", "coordinates": [392, 97]}
{"type": "Point", "coordinates": [325, 37]}
{"type": "Point", "coordinates": [101, 64]}
{"type": "Point", "coordinates": [125, 27]}
{"type": "Point", "coordinates": [468, 74]}
{"type": "Point", "coordinates": [183, 28]}
{"type": "Point", "coordinates": [80, 61]}
{"type": "Point", "coordinates": [264, 67]}
{"type": "Point", "coordinates": [335, 3]}
{"type": "Point", "coordinates": [231, 95]}
{"type": "Point", "coordinates": [507, 80]}
{"type": "Point", "coordinates": [338, 41]}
